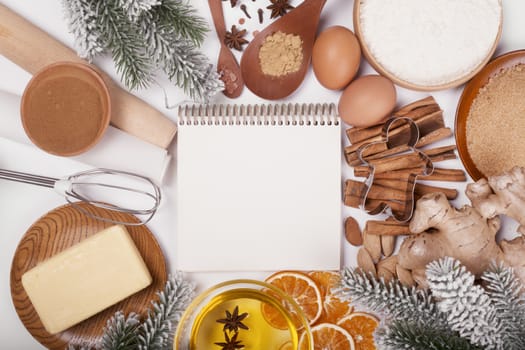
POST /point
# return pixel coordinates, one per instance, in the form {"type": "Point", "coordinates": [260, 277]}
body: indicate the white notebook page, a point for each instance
{"type": "Point", "coordinates": [258, 197]}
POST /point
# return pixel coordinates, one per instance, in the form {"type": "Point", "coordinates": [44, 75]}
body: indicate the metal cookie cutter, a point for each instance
{"type": "Point", "coordinates": [396, 152]}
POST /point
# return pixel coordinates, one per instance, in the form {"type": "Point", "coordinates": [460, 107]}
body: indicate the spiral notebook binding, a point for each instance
{"type": "Point", "coordinates": [310, 114]}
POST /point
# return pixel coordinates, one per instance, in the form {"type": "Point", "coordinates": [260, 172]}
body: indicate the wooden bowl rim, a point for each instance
{"type": "Point", "coordinates": [504, 61]}
{"type": "Point", "coordinates": [403, 83]}
{"type": "Point", "coordinates": [102, 88]}
{"type": "Point", "coordinates": [56, 341]}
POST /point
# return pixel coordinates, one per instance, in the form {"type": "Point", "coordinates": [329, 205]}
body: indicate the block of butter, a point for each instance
{"type": "Point", "coordinates": [86, 278]}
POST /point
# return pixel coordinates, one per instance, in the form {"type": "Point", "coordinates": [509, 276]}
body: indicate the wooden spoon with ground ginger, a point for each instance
{"type": "Point", "coordinates": [301, 22]}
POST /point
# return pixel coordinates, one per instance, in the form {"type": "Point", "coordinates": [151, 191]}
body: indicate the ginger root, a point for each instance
{"type": "Point", "coordinates": [501, 194]}
{"type": "Point", "coordinates": [463, 234]}
{"type": "Point", "coordinates": [468, 234]}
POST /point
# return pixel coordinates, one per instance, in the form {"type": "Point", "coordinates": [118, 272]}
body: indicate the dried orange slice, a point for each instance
{"type": "Point", "coordinates": [300, 288]}
{"type": "Point", "coordinates": [361, 326]}
{"type": "Point", "coordinates": [328, 336]}
{"type": "Point", "coordinates": [333, 308]}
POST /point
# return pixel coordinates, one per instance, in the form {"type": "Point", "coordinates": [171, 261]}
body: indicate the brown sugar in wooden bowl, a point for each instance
{"type": "Point", "coordinates": [65, 108]}
{"type": "Point", "coordinates": [495, 67]}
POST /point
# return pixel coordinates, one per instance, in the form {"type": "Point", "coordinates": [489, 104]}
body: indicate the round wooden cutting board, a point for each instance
{"type": "Point", "coordinates": [60, 229]}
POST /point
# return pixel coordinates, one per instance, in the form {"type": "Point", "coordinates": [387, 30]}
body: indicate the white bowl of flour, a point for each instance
{"type": "Point", "coordinates": [428, 44]}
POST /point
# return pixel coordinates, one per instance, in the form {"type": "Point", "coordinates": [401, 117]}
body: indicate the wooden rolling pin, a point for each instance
{"type": "Point", "coordinates": [32, 49]}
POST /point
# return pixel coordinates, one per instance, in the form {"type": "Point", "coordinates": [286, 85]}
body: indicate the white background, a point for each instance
{"type": "Point", "coordinates": [21, 205]}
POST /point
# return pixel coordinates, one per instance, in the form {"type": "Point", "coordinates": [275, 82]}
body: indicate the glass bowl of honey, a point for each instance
{"type": "Point", "coordinates": [243, 314]}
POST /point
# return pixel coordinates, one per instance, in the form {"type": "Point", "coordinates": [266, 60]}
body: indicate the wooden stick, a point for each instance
{"type": "Point", "coordinates": [390, 228]}
{"type": "Point", "coordinates": [32, 49]}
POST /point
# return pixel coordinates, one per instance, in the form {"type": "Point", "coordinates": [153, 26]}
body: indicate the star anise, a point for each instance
{"type": "Point", "coordinates": [233, 321]}
{"type": "Point", "coordinates": [234, 39]}
{"type": "Point", "coordinates": [279, 8]}
{"type": "Point", "coordinates": [230, 344]}
{"type": "Point", "coordinates": [232, 2]}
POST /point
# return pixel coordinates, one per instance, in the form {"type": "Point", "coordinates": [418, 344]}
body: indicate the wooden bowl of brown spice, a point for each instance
{"type": "Point", "coordinates": [490, 118]}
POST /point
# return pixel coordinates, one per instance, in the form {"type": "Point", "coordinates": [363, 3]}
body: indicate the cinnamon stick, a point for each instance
{"type": "Point", "coordinates": [390, 228]}
{"type": "Point", "coordinates": [419, 189]}
{"type": "Point", "coordinates": [439, 174]}
{"type": "Point", "coordinates": [434, 136]}
{"type": "Point", "coordinates": [413, 110]}
{"type": "Point", "coordinates": [403, 161]}
{"type": "Point", "coordinates": [415, 107]}
{"type": "Point", "coordinates": [427, 125]}
{"type": "Point", "coordinates": [354, 193]}
{"type": "Point", "coordinates": [377, 191]}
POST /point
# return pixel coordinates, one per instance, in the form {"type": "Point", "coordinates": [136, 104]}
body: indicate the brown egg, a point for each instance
{"type": "Point", "coordinates": [335, 57]}
{"type": "Point", "coordinates": [367, 101]}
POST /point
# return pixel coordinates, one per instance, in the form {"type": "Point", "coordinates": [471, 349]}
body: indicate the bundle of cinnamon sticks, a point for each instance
{"type": "Point", "coordinates": [393, 166]}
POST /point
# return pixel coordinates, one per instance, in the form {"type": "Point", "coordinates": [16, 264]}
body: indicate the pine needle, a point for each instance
{"type": "Point", "coordinates": [406, 334]}
{"type": "Point", "coordinates": [156, 333]}
{"type": "Point", "coordinates": [120, 332]}
{"type": "Point", "coordinates": [507, 295]}
{"type": "Point", "coordinates": [125, 44]}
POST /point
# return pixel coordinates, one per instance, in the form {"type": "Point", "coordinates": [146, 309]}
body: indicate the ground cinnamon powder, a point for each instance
{"type": "Point", "coordinates": [496, 123]}
{"type": "Point", "coordinates": [64, 114]}
{"type": "Point", "coordinates": [281, 54]}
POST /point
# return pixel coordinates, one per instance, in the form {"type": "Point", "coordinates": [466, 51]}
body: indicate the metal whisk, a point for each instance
{"type": "Point", "coordinates": [85, 186]}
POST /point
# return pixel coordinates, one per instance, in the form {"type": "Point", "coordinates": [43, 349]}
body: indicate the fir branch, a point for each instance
{"type": "Point", "coordinates": [191, 70]}
{"type": "Point", "coordinates": [507, 295]}
{"type": "Point", "coordinates": [179, 58]}
{"type": "Point", "coordinates": [144, 35]}
{"type": "Point", "coordinates": [78, 347]}
{"type": "Point", "coordinates": [81, 18]}
{"type": "Point", "coordinates": [392, 299]}
{"type": "Point", "coordinates": [124, 42]}
{"type": "Point", "coordinates": [468, 308]}
{"type": "Point", "coordinates": [120, 332]}
{"type": "Point", "coordinates": [157, 329]}
{"type": "Point", "coordinates": [135, 8]}
{"type": "Point", "coordinates": [405, 334]}
{"type": "Point", "coordinates": [182, 18]}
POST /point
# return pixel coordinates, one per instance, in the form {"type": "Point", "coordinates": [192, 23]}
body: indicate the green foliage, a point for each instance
{"type": "Point", "coordinates": [402, 334]}
{"type": "Point", "coordinates": [507, 296]}
{"type": "Point", "coordinates": [144, 36]}
{"type": "Point", "coordinates": [125, 44]}
{"type": "Point", "coordinates": [392, 298]}
{"type": "Point", "coordinates": [456, 314]}
{"type": "Point", "coordinates": [156, 333]}
{"type": "Point", "coordinates": [468, 307]}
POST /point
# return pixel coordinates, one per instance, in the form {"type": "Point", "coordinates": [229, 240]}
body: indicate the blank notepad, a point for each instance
{"type": "Point", "coordinates": [259, 188]}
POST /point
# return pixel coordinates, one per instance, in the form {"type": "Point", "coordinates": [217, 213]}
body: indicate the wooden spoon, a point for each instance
{"type": "Point", "coordinates": [301, 21]}
{"type": "Point", "coordinates": [227, 65]}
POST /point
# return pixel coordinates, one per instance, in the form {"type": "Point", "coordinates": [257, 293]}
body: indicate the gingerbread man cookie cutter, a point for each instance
{"type": "Point", "coordinates": [400, 137]}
